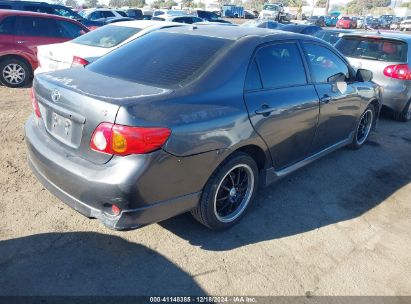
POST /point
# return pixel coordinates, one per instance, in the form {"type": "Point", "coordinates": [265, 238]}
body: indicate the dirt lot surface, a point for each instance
{"type": "Point", "coordinates": [340, 226]}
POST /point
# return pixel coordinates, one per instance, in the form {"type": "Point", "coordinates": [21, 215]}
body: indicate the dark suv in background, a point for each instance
{"type": "Point", "coordinates": [135, 13]}
{"type": "Point", "coordinates": [53, 9]}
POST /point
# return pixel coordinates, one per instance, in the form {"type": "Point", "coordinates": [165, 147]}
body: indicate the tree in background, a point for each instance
{"type": "Point", "coordinates": [162, 3]}
{"type": "Point", "coordinates": [71, 3]}
{"type": "Point", "coordinates": [60, 2]}
{"type": "Point", "coordinates": [116, 3]}
{"type": "Point", "coordinates": [91, 3]}
{"type": "Point", "coordinates": [187, 3]}
{"type": "Point", "coordinates": [359, 6]}
{"type": "Point", "coordinates": [200, 5]}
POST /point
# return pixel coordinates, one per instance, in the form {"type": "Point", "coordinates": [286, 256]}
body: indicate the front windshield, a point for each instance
{"type": "Point", "coordinates": [268, 7]}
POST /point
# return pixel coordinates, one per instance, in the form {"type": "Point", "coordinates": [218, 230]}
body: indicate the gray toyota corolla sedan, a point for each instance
{"type": "Point", "coordinates": [193, 119]}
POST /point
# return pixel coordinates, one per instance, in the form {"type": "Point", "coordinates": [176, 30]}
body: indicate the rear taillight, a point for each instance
{"type": "Point", "coordinates": [92, 27]}
{"type": "Point", "coordinates": [398, 71]}
{"type": "Point", "coordinates": [124, 140]}
{"type": "Point", "coordinates": [78, 61]}
{"type": "Point", "coordinates": [34, 103]}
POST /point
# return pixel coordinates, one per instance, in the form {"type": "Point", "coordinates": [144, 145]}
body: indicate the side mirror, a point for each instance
{"type": "Point", "coordinates": [339, 77]}
{"type": "Point", "coordinates": [363, 75]}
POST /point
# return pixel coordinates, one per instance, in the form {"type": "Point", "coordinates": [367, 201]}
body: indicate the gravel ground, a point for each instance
{"type": "Point", "coordinates": [340, 226]}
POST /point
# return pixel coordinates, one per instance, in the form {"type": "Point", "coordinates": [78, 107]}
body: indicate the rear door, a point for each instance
{"type": "Point", "coordinates": [282, 104]}
{"type": "Point", "coordinates": [34, 31]}
{"type": "Point", "coordinates": [339, 100]}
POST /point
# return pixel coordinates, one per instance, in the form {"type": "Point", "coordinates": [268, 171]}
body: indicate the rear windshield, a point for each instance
{"type": "Point", "coordinates": [107, 36]}
{"type": "Point", "coordinates": [165, 60]}
{"type": "Point", "coordinates": [328, 36]}
{"type": "Point", "coordinates": [373, 49]}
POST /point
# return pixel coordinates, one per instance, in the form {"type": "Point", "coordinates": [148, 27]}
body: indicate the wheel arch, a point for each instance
{"type": "Point", "coordinates": [377, 109]}
{"type": "Point", "coordinates": [19, 57]}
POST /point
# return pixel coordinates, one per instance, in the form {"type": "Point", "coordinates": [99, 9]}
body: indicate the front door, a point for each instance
{"type": "Point", "coordinates": [283, 107]}
{"type": "Point", "coordinates": [339, 100]}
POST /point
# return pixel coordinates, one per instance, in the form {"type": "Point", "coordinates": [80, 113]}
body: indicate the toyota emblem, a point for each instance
{"type": "Point", "coordinates": [55, 95]}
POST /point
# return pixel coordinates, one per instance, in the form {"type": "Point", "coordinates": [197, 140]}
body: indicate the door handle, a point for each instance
{"type": "Point", "coordinates": [265, 110]}
{"type": "Point", "coordinates": [325, 99]}
{"type": "Point", "coordinates": [21, 41]}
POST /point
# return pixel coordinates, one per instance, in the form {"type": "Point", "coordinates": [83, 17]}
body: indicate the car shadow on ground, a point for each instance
{"type": "Point", "coordinates": [82, 263]}
{"type": "Point", "coordinates": [328, 191]}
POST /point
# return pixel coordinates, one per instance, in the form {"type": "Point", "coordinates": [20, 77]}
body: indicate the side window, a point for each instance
{"type": "Point", "coordinates": [38, 9]}
{"type": "Point", "coordinates": [325, 65]}
{"type": "Point", "coordinates": [3, 6]}
{"type": "Point", "coordinates": [107, 14]}
{"type": "Point", "coordinates": [253, 80]}
{"type": "Point", "coordinates": [7, 26]}
{"type": "Point", "coordinates": [281, 65]}
{"type": "Point", "coordinates": [69, 29]}
{"type": "Point", "coordinates": [34, 26]}
{"type": "Point", "coordinates": [95, 16]}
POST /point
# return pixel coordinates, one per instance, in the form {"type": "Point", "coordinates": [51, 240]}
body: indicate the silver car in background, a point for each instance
{"type": "Point", "coordinates": [387, 55]}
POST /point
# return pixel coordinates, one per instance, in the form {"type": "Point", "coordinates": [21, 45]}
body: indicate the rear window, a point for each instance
{"type": "Point", "coordinates": [165, 60]}
{"type": "Point", "coordinates": [107, 36]}
{"type": "Point", "coordinates": [373, 49]}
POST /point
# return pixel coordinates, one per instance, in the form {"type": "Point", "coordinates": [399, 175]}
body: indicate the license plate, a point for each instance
{"type": "Point", "coordinates": [61, 126]}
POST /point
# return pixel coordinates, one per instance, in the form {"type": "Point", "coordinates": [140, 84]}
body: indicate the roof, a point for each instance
{"type": "Point", "coordinates": [295, 27]}
{"type": "Point", "coordinates": [167, 16]}
{"type": "Point", "coordinates": [146, 23]}
{"type": "Point", "coordinates": [29, 13]}
{"type": "Point", "coordinates": [231, 32]}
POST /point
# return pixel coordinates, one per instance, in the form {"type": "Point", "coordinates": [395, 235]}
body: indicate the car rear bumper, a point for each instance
{"type": "Point", "coordinates": [396, 96]}
{"type": "Point", "coordinates": [92, 189]}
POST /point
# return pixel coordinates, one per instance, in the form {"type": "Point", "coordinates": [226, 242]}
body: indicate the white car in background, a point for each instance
{"type": "Point", "coordinates": [80, 52]}
{"type": "Point", "coordinates": [100, 13]}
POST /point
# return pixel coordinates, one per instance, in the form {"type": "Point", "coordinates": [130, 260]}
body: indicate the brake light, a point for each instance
{"type": "Point", "coordinates": [78, 61]}
{"type": "Point", "coordinates": [398, 71]}
{"type": "Point", "coordinates": [124, 140]}
{"type": "Point", "coordinates": [34, 103]}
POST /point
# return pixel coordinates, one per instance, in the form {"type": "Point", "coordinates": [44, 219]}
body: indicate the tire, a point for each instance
{"type": "Point", "coordinates": [363, 128]}
{"type": "Point", "coordinates": [222, 213]}
{"type": "Point", "coordinates": [405, 115]}
{"type": "Point", "coordinates": [14, 73]}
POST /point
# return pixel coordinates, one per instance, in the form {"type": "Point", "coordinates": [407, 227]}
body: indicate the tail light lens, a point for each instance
{"type": "Point", "coordinates": [92, 27]}
{"type": "Point", "coordinates": [78, 61]}
{"type": "Point", "coordinates": [398, 71]}
{"type": "Point", "coordinates": [34, 103]}
{"type": "Point", "coordinates": [124, 140]}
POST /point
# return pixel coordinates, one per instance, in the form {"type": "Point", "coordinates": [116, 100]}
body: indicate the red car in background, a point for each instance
{"type": "Point", "coordinates": [20, 34]}
{"type": "Point", "coordinates": [346, 23]}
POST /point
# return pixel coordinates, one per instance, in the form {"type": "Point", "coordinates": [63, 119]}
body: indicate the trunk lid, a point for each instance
{"type": "Point", "coordinates": [60, 55]}
{"type": "Point", "coordinates": [74, 102]}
